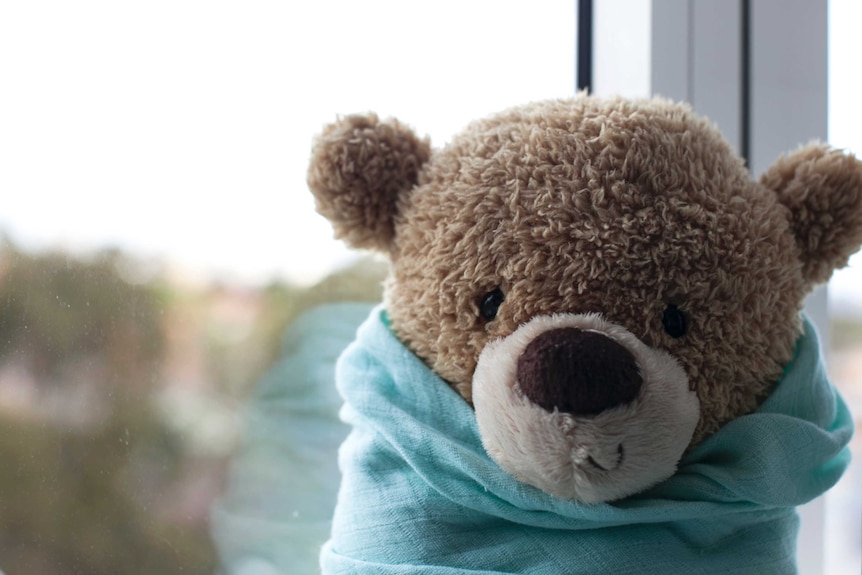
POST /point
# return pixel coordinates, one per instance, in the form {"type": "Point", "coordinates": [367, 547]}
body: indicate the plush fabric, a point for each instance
{"type": "Point", "coordinates": [638, 209]}
{"type": "Point", "coordinates": [419, 494]}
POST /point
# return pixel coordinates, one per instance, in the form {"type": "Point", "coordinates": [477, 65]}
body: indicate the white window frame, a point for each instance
{"type": "Point", "coordinates": [758, 69]}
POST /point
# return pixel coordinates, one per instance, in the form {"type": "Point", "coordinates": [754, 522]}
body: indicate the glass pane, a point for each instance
{"type": "Point", "coordinates": [159, 235]}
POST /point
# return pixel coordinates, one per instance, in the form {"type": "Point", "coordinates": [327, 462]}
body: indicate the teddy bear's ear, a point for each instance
{"type": "Point", "coordinates": [360, 166]}
{"type": "Point", "coordinates": [822, 189]}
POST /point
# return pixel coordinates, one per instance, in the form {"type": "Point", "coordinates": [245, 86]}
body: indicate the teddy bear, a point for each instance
{"type": "Point", "coordinates": [591, 355]}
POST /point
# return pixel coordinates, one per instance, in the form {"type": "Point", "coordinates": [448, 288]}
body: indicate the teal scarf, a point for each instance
{"type": "Point", "coordinates": [419, 495]}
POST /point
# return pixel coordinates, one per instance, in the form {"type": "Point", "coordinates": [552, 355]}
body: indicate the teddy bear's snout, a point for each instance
{"type": "Point", "coordinates": [581, 408]}
{"type": "Point", "coordinates": [578, 371]}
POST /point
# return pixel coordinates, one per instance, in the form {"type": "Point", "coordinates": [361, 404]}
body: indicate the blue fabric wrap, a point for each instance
{"type": "Point", "coordinates": [277, 509]}
{"type": "Point", "coordinates": [419, 494]}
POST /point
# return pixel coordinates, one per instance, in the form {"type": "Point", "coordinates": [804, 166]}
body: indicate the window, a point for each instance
{"type": "Point", "coordinates": [159, 233]}
{"type": "Point", "coordinates": [758, 69]}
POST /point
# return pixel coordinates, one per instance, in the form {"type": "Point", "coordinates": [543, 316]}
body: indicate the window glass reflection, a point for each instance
{"type": "Point", "coordinates": [158, 239]}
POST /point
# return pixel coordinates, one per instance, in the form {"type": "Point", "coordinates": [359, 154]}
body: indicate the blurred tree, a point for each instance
{"type": "Point", "coordinates": [68, 503]}
{"type": "Point", "coordinates": [55, 309]}
{"type": "Point", "coordinates": [76, 496]}
{"type": "Point", "coordinates": [110, 494]}
{"type": "Point", "coordinates": [238, 353]}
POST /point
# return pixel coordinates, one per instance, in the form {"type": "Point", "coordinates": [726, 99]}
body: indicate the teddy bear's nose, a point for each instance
{"type": "Point", "coordinates": [578, 371]}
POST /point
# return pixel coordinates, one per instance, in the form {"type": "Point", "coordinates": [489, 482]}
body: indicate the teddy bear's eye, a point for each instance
{"type": "Point", "coordinates": [674, 321]}
{"type": "Point", "coordinates": [490, 303]}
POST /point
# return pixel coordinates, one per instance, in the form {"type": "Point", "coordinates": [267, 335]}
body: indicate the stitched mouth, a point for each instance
{"type": "Point", "coordinates": [581, 462]}
{"type": "Point", "coordinates": [620, 453]}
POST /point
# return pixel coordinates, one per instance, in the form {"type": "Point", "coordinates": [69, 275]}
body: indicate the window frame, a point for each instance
{"type": "Point", "coordinates": [758, 69]}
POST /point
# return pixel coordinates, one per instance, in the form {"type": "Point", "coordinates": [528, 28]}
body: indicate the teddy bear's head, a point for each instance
{"type": "Point", "coordinates": [600, 278]}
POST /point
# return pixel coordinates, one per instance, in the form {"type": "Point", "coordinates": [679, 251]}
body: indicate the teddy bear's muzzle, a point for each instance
{"type": "Point", "coordinates": [581, 408]}
{"type": "Point", "coordinates": [578, 371]}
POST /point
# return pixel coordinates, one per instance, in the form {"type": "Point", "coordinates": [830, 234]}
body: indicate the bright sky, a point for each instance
{"type": "Point", "coordinates": [182, 128]}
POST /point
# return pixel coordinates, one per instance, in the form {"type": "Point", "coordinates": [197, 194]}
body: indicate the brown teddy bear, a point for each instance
{"type": "Point", "coordinates": [617, 305]}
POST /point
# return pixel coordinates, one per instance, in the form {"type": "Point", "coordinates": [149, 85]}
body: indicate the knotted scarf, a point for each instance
{"type": "Point", "coordinates": [419, 495]}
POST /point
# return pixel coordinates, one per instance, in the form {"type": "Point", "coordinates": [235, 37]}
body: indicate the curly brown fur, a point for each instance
{"type": "Point", "coordinates": [617, 207]}
{"type": "Point", "coordinates": [822, 188]}
{"type": "Point", "coordinates": [360, 166]}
